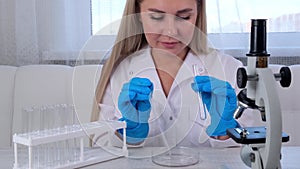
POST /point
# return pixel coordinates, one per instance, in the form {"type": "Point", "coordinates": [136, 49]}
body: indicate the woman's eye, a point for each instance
{"type": "Point", "coordinates": [183, 17]}
{"type": "Point", "coordinates": [157, 16]}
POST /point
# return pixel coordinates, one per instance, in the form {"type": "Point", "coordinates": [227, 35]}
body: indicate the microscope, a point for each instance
{"type": "Point", "coordinates": [261, 145]}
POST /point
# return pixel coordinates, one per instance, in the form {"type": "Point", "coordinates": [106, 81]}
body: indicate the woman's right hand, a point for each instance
{"type": "Point", "coordinates": [135, 107]}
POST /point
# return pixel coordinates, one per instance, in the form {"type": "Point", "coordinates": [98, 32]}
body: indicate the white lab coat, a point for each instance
{"type": "Point", "coordinates": [174, 120]}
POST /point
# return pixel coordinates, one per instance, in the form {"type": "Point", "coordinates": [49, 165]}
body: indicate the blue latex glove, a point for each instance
{"type": "Point", "coordinates": [221, 102]}
{"type": "Point", "coordinates": [134, 104]}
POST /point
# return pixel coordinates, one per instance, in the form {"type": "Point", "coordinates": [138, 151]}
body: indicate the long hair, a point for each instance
{"type": "Point", "coordinates": [131, 38]}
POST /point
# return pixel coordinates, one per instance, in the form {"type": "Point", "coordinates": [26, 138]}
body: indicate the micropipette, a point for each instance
{"type": "Point", "coordinates": [196, 73]}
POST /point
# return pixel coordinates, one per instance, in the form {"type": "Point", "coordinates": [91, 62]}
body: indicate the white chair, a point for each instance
{"type": "Point", "coordinates": [290, 106]}
{"type": "Point", "coordinates": [7, 76]}
{"type": "Point", "coordinates": [38, 85]}
{"type": "Point", "coordinates": [84, 82]}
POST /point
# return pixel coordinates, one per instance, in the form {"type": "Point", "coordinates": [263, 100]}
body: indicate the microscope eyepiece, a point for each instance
{"type": "Point", "coordinates": [258, 40]}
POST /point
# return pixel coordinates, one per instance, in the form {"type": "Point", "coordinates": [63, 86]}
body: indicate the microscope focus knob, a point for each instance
{"type": "Point", "coordinates": [241, 77]}
{"type": "Point", "coordinates": [286, 76]}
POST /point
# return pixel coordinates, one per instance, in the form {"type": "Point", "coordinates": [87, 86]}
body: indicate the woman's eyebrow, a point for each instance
{"type": "Point", "coordinates": [155, 10]}
{"type": "Point", "coordinates": [184, 10]}
{"type": "Point", "coordinates": [178, 12]}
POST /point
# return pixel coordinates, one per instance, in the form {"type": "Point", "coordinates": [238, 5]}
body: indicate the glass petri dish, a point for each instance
{"type": "Point", "coordinates": [177, 157]}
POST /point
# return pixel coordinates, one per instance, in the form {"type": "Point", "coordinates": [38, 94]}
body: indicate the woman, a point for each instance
{"type": "Point", "coordinates": [148, 80]}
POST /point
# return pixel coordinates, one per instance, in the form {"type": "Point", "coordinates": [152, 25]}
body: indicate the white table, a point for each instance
{"type": "Point", "coordinates": [211, 158]}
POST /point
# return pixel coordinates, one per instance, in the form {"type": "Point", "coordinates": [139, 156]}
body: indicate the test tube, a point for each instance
{"type": "Point", "coordinates": [25, 122]}
{"type": "Point", "coordinates": [52, 147]}
{"type": "Point", "coordinates": [76, 141]}
{"type": "Point", "coordinates": [203, 115]}
{"type": "Point", "coordinates": [46, 121]}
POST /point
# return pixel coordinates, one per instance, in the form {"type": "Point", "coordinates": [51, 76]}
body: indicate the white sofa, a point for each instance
{"type": "Point", "coordinates": [290, 105]}
{"type": "Point", "coordinates": [37, 85]}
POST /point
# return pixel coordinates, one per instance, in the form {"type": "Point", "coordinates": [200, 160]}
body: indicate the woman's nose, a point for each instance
{"type": "Point", "coordinates": [170, 28]}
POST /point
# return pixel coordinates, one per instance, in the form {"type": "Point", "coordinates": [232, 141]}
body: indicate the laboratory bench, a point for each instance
{"type": "Point", "coordinates": [222, 158]}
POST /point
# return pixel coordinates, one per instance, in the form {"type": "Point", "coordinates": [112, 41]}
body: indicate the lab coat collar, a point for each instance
{"type": "Point", "coordinates": [143, 60]}
{"type": "Point", "coordinates": [186, 70]}
{"type": "Point", "coordinates": [210, 63]}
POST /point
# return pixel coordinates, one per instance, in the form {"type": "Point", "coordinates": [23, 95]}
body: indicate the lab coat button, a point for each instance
{"type": "Point", "coordinates": [201, 70]}
{"type": "Point", "coordinates": [171, 118]}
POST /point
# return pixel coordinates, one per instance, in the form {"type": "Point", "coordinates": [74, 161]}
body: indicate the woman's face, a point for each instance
{"type": "Point", "coordinates": [169, 24]}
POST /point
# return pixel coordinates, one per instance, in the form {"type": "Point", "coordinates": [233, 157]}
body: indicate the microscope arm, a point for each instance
{"type": "Point", "coordinates": [266, 96]}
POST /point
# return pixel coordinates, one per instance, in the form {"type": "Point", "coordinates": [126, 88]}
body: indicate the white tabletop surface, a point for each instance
{"type": "Point", "coordinates": [210, 158]}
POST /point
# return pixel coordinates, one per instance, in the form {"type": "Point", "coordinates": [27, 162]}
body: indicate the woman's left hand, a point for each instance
{"type": "Point", "coordinates": [221, 102]}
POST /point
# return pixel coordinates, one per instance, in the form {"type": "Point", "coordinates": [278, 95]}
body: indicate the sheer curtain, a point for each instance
{"type": "Point", "coordinates": [104, 14]}
{"type": "Point", "coordinates": [34, 31]}
{"type": "Point", "coordinates": [18, 42]}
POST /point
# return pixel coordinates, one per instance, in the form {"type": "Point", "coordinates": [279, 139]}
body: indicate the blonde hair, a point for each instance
{"type": "Point", "coordinates": [130, 39]}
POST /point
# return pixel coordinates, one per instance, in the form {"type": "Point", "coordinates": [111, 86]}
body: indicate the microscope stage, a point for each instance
{"type": "Point", "coordinates": [251, 135]}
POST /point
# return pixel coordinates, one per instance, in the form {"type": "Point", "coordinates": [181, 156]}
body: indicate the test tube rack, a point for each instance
{"type": "Point", "coordinates": [79, 131]}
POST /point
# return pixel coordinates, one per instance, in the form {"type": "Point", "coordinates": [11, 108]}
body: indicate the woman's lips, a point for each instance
{"type": "Point", "coordinates": [169, 44]}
